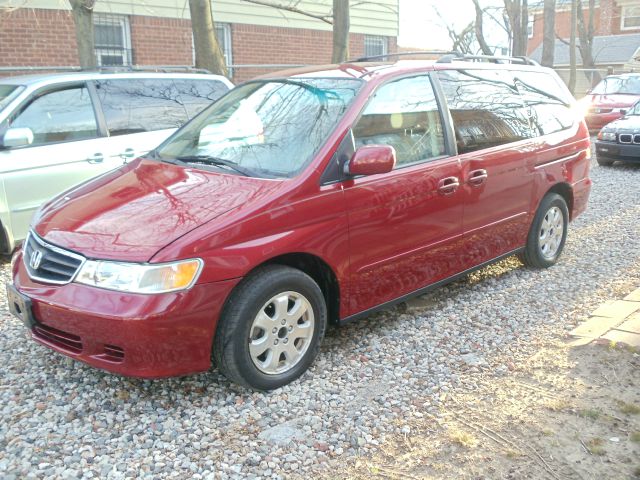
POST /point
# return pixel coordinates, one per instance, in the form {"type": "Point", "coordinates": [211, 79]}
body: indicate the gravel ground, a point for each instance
{"type": "Point", "coordinates": [62, 419]}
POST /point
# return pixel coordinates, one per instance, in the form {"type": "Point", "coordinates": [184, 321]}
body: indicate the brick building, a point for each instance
{"type": "Point", "coordinates": [611, 18]}
{"type": "Point", "coordinates": [41, 33]}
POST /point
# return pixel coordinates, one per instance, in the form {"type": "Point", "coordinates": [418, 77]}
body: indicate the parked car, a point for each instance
{"type": "Point", "coordinates": [620, 139]}
{"type": "Point", "coordinates": [347, 189]}
{"type": "Point", "coordinates": [57, 130]}
{"type": "Point", "coordinates": [608, 100]}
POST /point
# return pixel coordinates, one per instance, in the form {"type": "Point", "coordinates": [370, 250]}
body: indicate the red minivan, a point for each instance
{"type": "Point", "coordinates": [299, 199]}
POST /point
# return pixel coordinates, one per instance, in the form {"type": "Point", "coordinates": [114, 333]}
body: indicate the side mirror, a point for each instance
{"type": "Point", "coordinates": [371, 160]}
{"type": "Point", "coordinates": [623, 111]}
{"type": "Point", "coordinates": [17, 137]}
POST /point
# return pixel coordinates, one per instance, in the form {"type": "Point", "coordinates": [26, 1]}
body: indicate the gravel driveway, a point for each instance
{"type": "Point", "coordinates": [60, 418]}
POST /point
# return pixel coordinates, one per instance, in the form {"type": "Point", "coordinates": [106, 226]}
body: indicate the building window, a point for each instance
{"type": "Point", "coordinates": [630, 18]}
{"type": "Point", "coordinates": [223, 35]}
{"type": "Point", "coordinates": [530, 27]}
{"type": "Point", "coordinates": [112, 40]}
{"type": "Point", "coordinates": [375, 45]}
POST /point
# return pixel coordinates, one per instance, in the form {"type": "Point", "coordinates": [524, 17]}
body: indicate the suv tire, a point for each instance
{"type": "Point", "coordinates": [271, 328]}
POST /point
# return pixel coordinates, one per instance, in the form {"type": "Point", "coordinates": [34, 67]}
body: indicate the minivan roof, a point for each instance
{"type": "Point", "coordinates": [370, 70]}
{"type": "Point", "coordinates": [42, 79]}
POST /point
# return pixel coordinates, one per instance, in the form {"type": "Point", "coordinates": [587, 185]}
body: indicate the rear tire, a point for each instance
{"type": "Point", "coordinates": [604, 162]}
{"type": "Point", "coordinates": [548, 233]}
{"type": "Point", "coordinates": [271, 328]}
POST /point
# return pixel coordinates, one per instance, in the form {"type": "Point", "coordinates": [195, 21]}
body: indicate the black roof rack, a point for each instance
{"type": "Point", "coordinates": [403, 54]}
{"type": "Point", "coordinates": [448, 57]}
{"type": "Point", "coordinates": [146, 68]}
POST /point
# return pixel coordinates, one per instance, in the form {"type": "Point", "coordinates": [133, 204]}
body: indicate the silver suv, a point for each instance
{"type": "Point", "coordinates": [57, 130]}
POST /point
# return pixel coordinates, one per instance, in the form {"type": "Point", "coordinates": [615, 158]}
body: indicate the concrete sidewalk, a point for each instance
{"type": "Point", "coordinates": [613, 322]}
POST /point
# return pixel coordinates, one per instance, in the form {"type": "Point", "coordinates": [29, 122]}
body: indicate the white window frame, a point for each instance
{"type": "Point", "coordinates": [114, 20]}
{"type": "Point", "coordinates": [624, 16]}
{"type": "Point", "coordinates": [530, 25]}
{"type": "Point", "coordinates": [383, 44]}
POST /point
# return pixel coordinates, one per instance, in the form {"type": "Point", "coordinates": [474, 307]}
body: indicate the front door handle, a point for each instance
{"type": "Point", "coordinates": [478, 177]}
{"type": "Point", "coordinates": [127, 154]}
{"type": "Point", "coordinates": [448, 185]}
{"type": "Point", "coordinates": [96, 158]}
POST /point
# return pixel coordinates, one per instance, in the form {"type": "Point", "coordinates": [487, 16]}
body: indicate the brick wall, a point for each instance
{"type": "Point", "coordinates": [254, 44]}
{"type": "Point", "coordinates": [160, 41]}
{"type": "Point", "coordinates": [36, 37]}
{"type": "Point", "coordinates": [39, 37]}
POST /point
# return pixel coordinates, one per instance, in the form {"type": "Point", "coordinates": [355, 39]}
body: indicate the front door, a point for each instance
{"type": "Point", "coordinates": [404, 226]}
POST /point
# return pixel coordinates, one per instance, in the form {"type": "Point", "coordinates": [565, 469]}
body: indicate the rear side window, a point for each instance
{"type": "Point", "coordinates": [405, 115]}
{"type": "Point", "coordinates": [140, 105]}
{"type": "Point", "coordinates": [196, 95]}
{"type": "Point", "coordinates": [548, 101]}
{"type": "Point", "coordinates": [60, 116]}
{"type": "Point", "coordinates": [486, 108]}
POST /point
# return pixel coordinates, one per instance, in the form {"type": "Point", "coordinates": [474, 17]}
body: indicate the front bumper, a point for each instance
{"type": "Point", "coordinates": [618, 151]}
{"type": "Point", "coordinates": [148, 336]}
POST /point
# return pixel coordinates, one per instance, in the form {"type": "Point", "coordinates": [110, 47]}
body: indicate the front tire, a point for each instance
{"type": "Point", "coordinates": [271, 328]}
{"type": "Point", "coordinates": [548, 233]}
{"type": "Point", "coordinates": [604, 162]}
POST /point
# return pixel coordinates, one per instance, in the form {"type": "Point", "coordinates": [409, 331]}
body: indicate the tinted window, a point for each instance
{"type": "Point", "coordinates": [140, 105]}
{"type": "Point", "coordinates": [548, 101]}
{"type": "Point", "coordinates": [7, 93]}
{"type": "Point", "coordinates": [59, 116]}
{"type": "Point", "coordinates": [486, 107]}
{"type": "Point", "coordinates": [196, 95]}
{"type": "Point", "coordinates": [405, 115]}
{"type": "Point", "coordinates": [273, 127]}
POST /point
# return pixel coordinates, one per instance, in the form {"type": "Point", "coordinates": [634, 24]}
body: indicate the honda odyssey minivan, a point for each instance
{"type": "Point", "coordinates": [57, 130]}
{"type": "Point", "coordinates": [304, 198]}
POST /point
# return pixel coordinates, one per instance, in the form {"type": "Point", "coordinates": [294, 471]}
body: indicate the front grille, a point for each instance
{"type": "Point", "coordinates": [48, 263]}
{"type": "Point", "coordinates": [113, 353]}
{"type": "Point", "coordinates": [636, 138]}
{"type": "Point", "coordinates": [625, 138]}
{"type": "Point", "coordinates": [61, 339]}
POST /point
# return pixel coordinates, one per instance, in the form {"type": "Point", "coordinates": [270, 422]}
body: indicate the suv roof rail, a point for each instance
{"type": "Point", "coordinates": [487, 58]}
{"type": "Point", "coordinates": [403, 54]}
{"type": "Point", "coordinates": [147, 68]}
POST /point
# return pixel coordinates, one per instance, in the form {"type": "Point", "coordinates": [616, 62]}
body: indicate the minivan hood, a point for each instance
{"type": "Point", "coordinates": [131, 213]}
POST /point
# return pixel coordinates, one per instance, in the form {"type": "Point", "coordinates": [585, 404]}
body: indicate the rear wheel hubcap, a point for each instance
{"type": "Point", "coordinates": [550, 234]}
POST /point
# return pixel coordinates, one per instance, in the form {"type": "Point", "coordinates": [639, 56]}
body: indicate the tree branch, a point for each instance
{"type": "Point", "coordinates": [292, 8]}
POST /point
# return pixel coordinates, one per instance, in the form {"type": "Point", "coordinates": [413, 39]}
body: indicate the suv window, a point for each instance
{"type": "Point", "coordinates": [195, 95]}
{"type": "Point", "coordinates": [140, 105]}
{"type": "Point", "coordinates": [548, 101]}
{"type": "Point", "coordinates": [60, 116]}
{"type": "Point", "coordinates": [486, 108]}
{"type": "Point", "coordinates": [404, 114]}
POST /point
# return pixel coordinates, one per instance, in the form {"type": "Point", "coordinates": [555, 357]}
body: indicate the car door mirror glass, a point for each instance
{"type": "Point", "coordinates": [372, 160]}
{"type": "Point", "coordinates": [17, 137]}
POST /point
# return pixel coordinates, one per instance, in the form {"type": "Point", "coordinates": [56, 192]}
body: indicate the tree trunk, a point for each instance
{"type": "Point", "coordinates": [518, 14]}
{"type": "Point", "coordinates": [484, 46]}
{"type": "Point", "coordinates": [549, 34]}
{"type": "Point", "coordinates": [572, 46]}
{"type": "Point", "coordinates": [585, 34]}
{"type": "Point", "coordinates": [341, 25]}
{"type": "Point", "coordinates": [207, 49]}
{"type": "Point", "coordinates": [82, 11]}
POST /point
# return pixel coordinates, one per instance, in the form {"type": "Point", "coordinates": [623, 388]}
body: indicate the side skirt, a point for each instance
{"type": "Point", "coordinates": [426, 289]}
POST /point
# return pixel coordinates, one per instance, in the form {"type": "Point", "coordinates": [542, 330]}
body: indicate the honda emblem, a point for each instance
{"type": "Point", "coordinates": [36, 259]}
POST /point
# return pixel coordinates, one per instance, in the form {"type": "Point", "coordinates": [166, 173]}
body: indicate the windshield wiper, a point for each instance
{"type": "Point", "coordinates": [218, 162]}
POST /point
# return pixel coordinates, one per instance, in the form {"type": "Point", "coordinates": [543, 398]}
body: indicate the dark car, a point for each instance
{"type": "Point", "coordinates": [306, 197]}
{"type": "Point", "coordinates": [620, 140]}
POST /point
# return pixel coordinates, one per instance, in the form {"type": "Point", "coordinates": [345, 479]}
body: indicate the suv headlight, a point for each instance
{"type": "Point", "coordinates": [140, 277]}
{"type": "Point", "coordinates": [607, 136]}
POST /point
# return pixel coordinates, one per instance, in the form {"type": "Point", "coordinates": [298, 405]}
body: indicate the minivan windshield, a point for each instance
{"type": "Point", "coordinates": [619, 86]}
{"type": "Point", "coordinates": [269, 128]}
{"type": "Point", "coordinates": [7, 93]}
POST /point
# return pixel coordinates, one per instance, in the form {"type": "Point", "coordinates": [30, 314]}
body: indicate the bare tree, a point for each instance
{"type": "Point", "coordinates": [82, 11]}
{"type": "Point", "coordinates": [338, 17]}
{"type": "Point", "coordinates": [478, 28]}
{"type": "Point", "coordinates": [548, 37]}
{"type": "Point", "coordinates": [572, 46]}
{"type": "Point", "coordinates": [341, 25]}
{"type": "Point", "coordinates": [517, 12]}
{"type": "Point", "coordinates": [207, 48]}
{"type": "Point", "coordinates": [585, 33]}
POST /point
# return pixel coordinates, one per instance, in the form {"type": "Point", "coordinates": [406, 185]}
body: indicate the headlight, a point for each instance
{"type": "Point", "coordinates": [607, 136]}
{"type": "Point", "coordinates": [140, 277]}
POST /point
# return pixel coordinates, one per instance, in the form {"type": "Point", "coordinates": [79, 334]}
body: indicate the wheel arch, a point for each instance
{"type": "Point", "coordinates": [566, 192]}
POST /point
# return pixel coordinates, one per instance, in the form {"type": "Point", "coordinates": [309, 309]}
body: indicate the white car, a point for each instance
{"type": "Point", "coordinates": [58, 130]}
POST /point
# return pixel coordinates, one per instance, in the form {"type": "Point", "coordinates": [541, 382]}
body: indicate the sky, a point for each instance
{"type": "Point", "coordinates": [422, 27]}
